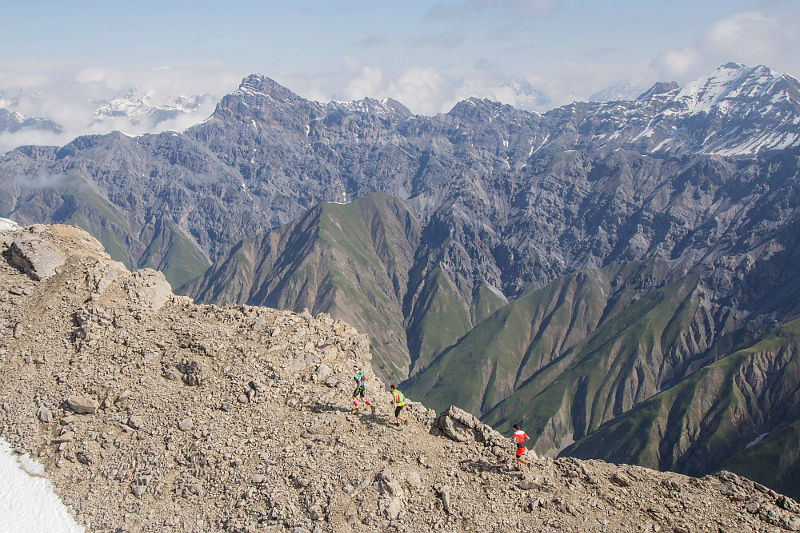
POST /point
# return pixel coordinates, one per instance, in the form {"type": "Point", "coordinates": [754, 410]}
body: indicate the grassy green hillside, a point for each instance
{"type": "Point", "coordinates": [627, 358]}
{"type": "Point", "coordinates": [350, 260]}
{"type": "Point", "coordinates": [440, 317]}
{"type": "Point", "coordinates": [567, 357]}
{"type": "Point", "coordinates": [172, 252]}
{"type": "Point", "coordinates": [705, 421]}
{"type": "Point", "coordinates": [359, 262]}
{"type": "Point", "coordinates": [773, 460]}
{"type": "Point", "coordinates": [86, 207]}
{"type": "Point", "coordinates": [161, 245]}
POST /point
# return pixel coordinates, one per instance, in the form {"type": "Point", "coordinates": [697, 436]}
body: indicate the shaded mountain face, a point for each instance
{"type": "Point", "coordinates": [741, 412]}
{"type": "Point", "coordinates": [558, 269]}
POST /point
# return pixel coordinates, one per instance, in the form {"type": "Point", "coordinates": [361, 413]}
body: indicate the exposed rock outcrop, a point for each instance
{"type": "Point", "coordinates": [34, 257]}
{"type": "Point", "coordinates": [461, 426]}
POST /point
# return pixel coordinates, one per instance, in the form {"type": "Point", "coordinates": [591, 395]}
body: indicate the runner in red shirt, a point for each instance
{"type": "Point", "coordinates": [519, 439]}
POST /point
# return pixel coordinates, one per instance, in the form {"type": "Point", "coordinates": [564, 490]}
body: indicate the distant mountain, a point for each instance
{"type": "Point", "coordinates": [12, 122]}
{"type": "Point", "coordinates": [735, 111]}
{"type": "Point", "coordinates": [620, 91]}
{"type": "Point", "coordinates": [557, 268]}
{"type": "Point", "coordinates": [142, 110]}
{"type": "Point", "coordinates": [133, 110]}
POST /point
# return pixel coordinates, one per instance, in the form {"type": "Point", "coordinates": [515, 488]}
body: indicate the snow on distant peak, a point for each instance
{"type": "Point", "coordinates": [135, 108]}
{"type": "Point", "coordinates": [728, 82]}
{"type": "Point", "coordinates": [384, 107]}
{"type": "Point", "coordinates": [614, 93]}
{"type": "Point", "coordinates": [263, 87]}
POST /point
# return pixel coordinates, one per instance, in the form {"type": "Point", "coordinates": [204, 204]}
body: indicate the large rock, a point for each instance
{"type": "Point", "coordinates": [30, 254]}
{"type": "Point", "coordinates": [461, 426]}
{"type": "Point", "coordinates": [148, 289]}
{"type": "Point", "coordinates": [83, 405]}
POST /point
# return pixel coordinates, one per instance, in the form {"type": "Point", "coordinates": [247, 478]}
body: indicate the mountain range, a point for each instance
{"type": "Point", "coordinates": [42, 114]}
{"type": "Point", "coordinates": [585, 271]}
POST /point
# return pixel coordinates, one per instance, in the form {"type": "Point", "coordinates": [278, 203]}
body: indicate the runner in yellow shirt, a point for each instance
{"type": "Point", "coordinates": [398, 401]}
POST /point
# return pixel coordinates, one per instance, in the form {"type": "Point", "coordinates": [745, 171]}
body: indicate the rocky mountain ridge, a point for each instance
{"type": "Point", "coordinates": [150, 412]}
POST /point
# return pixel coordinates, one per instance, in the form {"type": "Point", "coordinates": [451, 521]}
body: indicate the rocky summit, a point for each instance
{"type": "Point", "coordinates": [151, 413]}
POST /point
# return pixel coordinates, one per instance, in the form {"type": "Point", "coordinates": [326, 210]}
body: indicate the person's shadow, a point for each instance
{"type": "Point", "coordinates": [317, 407]}
{"type": "Point", "coordinates": [475, 466]}
{"type": "Point", "coordinates": [368, 419]}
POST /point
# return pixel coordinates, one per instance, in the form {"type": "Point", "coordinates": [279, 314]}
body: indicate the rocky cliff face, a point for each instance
{"type": "Point", "coordinates": [151, 413]}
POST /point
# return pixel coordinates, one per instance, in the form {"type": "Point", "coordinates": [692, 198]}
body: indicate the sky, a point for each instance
{"type": "Point", "coordinates": [63, 60]}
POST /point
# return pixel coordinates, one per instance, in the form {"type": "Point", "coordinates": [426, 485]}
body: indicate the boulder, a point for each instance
{"type": "Point", "coordinates": [148, 290]}
{"type": "Point", "coordinates": [461, 426]}
{"type": "Point", "coordinates": [83, 405]}
{"type": "Point", "coordinates": [33, 256]}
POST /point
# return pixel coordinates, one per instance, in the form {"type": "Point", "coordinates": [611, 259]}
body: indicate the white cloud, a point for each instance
{"type": "Point", "coordinates": [367, 83]}
{"type": "Point", "coordinates": [72, 94]}
{"type": "Point", "coordinates": [750, 37]}
{"type": "Point", "coordinates": [420, 89]}
{"type": "Point", "coordinates": [94, 74]}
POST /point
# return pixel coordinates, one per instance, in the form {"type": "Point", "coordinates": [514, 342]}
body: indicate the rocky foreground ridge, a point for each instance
{"type": "Point", "coordinates": [151, 413]}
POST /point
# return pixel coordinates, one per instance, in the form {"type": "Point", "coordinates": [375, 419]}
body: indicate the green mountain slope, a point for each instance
{"type": "Point", "coordinates": [361, 262]}
{"type": "Point", "coordinates": [773, 460]}
{"type": "Point", "coordinates": [705, 422]}
{"type": "Point", "coordinates": [573, 354]}
{"type": "Point", "coordinates": [349, 260]}
{"type": "Point", "coordinates": [172, 252]}
{"type": "Point", "coordinates": [160, 244]}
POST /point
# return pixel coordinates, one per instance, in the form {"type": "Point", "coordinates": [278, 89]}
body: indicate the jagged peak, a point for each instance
{"type": "Point", "coordinates": [472, 105]}
{"type": "Point", "coordinates": [386, 106]}
{"type": "Point", "coordinates": [260, 85]}
{"type": "Point", "coordinates": [659, 88]}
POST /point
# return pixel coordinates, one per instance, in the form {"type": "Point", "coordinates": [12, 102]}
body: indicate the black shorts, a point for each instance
{"type": "Point", "coordinates": [359, 392]}
{"type": "Point", "coordinates": [397, 410]}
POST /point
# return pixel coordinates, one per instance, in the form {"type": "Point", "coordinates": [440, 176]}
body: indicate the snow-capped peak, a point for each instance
{"type": "Point", "coordinates": [728, 82]}
{"type": "Point", "coordinates": [130, 105]}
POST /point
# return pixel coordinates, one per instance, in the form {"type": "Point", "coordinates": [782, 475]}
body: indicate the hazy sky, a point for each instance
{"type": "Point", "coordinates": [535, 54]}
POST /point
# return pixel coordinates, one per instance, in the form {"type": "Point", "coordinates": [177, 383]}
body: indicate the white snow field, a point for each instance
{"type": "Point", "coordinates": [27, 501]}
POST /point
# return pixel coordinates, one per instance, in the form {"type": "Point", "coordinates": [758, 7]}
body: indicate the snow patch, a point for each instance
{"type": "Point", "coordinates": [28, 503]}
{"type": "Point", "coordinates": [8, 225]}
{"type": "Point", "coordinates": [756, 440]}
